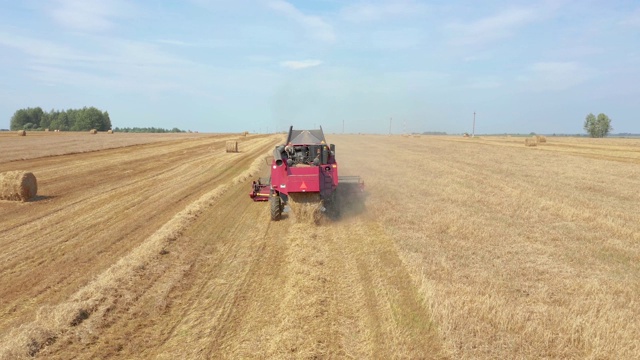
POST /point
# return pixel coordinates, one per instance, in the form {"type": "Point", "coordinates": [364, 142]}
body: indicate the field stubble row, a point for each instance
{"type": "Point", "coordinates": [519, 253]}
{"type": "Point", "coordinates": [469, 248]}
{"type": "Point", "coordinates": [94, 210]}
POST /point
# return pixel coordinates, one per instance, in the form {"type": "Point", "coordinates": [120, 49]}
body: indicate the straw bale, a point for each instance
{"type": "Point", "coordinates": [18, 186]}
{"type": "Point", "coordinates": [307, 207]}
{"type": "Point", "coordinates": [541, 139]}
{"type": "Point", "coordinates": [22, 133]}
{"type": "Point", "coordinates": [531, 141]}
{"type": "Point", "coordinates": [93, 131]}
{"type": "Point", "coordinates": [110, 131]}
{"type": "Point", "coordinates": [232, 146]}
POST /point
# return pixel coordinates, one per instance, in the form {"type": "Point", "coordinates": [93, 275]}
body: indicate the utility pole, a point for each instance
{"type": "Point", "coordinates": [390, 120]}
{"type": "Point", "coordinates": [474, 125]}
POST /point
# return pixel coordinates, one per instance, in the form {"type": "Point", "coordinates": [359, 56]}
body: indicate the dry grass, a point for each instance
{"type": "Point", "coordinates": [18, 186]}
{"type": "Point", "coordinates": [557, 278]}
{"type": "Point", "coordinates": [232, 146]}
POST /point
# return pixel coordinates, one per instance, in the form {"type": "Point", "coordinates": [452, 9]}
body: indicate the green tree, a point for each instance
{"type": "Point", "coordinates": [61, 122]}
{"type": "Point", "coordinates": [47, 118]}
{"type": "Point", "coordinates": [597, 126]}
{"type": "Point", "coordinates": [106, 121]}
{"type": "Point", "coordinates": [94, 118]}
{"type": "Point", "coordinates": [19, 119]}
{"type": "Point", "coordinates": [35, 116]}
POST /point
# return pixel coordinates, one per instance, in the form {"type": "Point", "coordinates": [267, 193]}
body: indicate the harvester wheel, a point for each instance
{"type": "Point", "coordinates": [333, 207]}
{"type": "Point", "coordinates": [276, 207]}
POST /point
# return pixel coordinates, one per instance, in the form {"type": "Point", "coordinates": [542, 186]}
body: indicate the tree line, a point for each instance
{"type": "Point", "coordinates": [83, 119]}
{"type": "Point", "coordinates": [147, 130]}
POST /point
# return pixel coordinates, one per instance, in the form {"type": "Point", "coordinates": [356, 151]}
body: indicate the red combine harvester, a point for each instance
{"type": "Point", "coordinates": [306, 165]}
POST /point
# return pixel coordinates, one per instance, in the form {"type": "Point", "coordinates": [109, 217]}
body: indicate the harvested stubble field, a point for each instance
{"type": "Point", "coordinates": [467, 248]}
{"type": "Point", "coordinates": [40, 144]}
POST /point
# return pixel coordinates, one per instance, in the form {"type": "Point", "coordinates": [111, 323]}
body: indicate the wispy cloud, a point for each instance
{"type": "Point", "coordinates": [177, 43]}
{"type": "Point", "coordinates": [113, 61]}
{"type": "Point", "coordinates": [484, 83]}
{"type": "Point", "coordinates": [89, 15]}
{"type": "Point", "coordinates": [396, 39]}
{"type": "Point", "coordinates": [317, 27]}
{"type": "Point", "coordinates": [555, 76]}
{"type": "Point", "coordinates": [300, 64]}
{"type": "Point", "coordinates": [370, 12]}
{"type": "Point", "coordinates": [492, 28]}
{"type": "Point", "coordinates": [632, 20]}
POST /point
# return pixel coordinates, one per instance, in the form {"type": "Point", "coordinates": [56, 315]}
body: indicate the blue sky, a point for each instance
{"type": "Point", "coordinates": [258, 65]}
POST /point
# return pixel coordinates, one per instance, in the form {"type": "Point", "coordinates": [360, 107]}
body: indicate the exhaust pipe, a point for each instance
{"type": "Point", "coordinates": [277, 155]}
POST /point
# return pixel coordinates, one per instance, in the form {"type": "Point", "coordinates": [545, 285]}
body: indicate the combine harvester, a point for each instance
{"type": "Point", "coordinates": [305, 172]}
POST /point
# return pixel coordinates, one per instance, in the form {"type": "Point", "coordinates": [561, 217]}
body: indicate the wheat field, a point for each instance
{"type": "Point", "coordinates": [518, 252]}
{"type": "Point", "coordinates": [466, 248]}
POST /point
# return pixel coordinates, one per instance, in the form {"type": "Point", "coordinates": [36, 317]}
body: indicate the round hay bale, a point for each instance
{"type": "Point", "coordinates": [541, 139]}
{"type": "Point", "coordinates": [232, 146]}
{"type": "Point", "coordinates": [531, 142]}
{"type": "Point", "coordinates": [22, 133]}
{"type": "Point", "coordinates": [18, 186]}
{"type": "Point", "coordinates": [46, 130]}
{"type": "Point", "coordinates": [93, 131]}
{"type": "Point", "coordinates": [110, 131]}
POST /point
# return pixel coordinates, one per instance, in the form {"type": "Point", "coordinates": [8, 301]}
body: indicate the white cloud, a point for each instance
{"type": "Point", "coordinates": [319, 29]}
{"type": "Point", "coordinates": [370, 12]}
{"type": "Point", "coordinates": [555, 76]}
{"type": "Point", "coordinates": [300, 64]}
{"type": "Point", "coordinates": [89, 15]}
{"type": "Point", "coordinates": [495, 27]}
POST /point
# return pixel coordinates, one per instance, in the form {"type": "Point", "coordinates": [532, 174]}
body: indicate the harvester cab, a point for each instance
{"type": "Point", "coordinates": [304, 171]}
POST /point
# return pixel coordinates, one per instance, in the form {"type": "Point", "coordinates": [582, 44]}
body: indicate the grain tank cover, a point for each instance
{"type": "Point", "coordinates": [306, 137]}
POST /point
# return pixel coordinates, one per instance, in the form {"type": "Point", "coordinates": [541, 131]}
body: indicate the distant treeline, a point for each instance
{"type": "Point", "coordinates": [434, 133]}
{"type": "Point", "coordinates": [83, 119]}
{"type": "Point", "coordinates": [147, 130]}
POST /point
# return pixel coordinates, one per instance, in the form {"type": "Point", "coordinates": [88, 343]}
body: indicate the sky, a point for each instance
{"type": "Point", "coordinates": [354, 66]}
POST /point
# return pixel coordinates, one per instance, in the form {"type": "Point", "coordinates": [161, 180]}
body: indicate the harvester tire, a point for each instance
{"type": "Point", "coordinates": [333, 206]}
{"type": "Point", "coordinates": [276, 207]}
